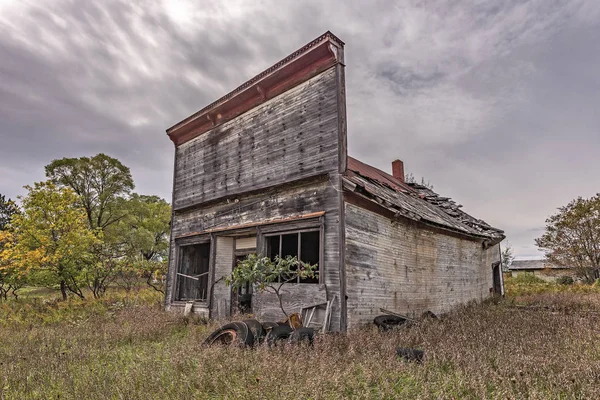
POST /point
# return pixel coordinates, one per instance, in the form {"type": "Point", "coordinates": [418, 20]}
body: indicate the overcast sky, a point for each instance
{"type": "Point", "coordinates": [496, 103]}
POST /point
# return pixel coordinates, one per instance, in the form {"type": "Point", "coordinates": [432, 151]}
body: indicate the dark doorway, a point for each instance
{"type": "Point", "coordinates": [242, 297]}
{"type": "Point", "coordinates": [192, 274]}
{"type": "Point", "coordinates": [496, 271]}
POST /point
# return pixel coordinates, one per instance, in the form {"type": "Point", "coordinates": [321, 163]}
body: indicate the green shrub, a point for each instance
{"type": "Point", "coordinates": [527, 278]}
{"type": "Point", "coordinates": [565, 280]}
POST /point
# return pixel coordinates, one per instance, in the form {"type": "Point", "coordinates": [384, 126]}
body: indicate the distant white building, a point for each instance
{"type": "Point", "coordinates": [540, 268]}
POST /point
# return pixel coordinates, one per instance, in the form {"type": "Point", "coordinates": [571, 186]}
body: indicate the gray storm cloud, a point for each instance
{"type": "Point", "coordinates": [496, 104]}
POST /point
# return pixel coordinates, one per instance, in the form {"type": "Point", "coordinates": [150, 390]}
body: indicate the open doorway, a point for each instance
{"type": "Point", "coordinates": [241, 297]}
{"type": "Point", "coordinates": [496, 271]}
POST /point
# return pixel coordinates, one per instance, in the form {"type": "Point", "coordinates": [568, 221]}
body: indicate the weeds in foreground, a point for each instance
{"type": "Point", "coordinates": [129, 348]}
{"type": "Point", "coordinates": [529, 284]}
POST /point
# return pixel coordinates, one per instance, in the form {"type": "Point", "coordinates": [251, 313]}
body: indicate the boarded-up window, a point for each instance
{"type": "Point", "coordinates": [304, 245]}
{"type": "Point", "coordinates": [244, 243]}
{"type": "Point", "coordinates": [192, 273]}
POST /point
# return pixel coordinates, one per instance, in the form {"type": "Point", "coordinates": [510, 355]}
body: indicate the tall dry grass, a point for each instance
{"type": "Point", "coordinates": [130, 349]}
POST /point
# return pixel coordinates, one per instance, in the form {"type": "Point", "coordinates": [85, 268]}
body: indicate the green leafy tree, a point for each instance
{"type": "Point", "coordinates": [102, 184]}
{"type": "Point", "coordinates": [148, 223]}
{"type": "Point", "coordinates": [11, 279]}
{"type": "Point", "coordinates": [269, 275]}
{"type": "Point", "coordinates": [145, 235]}
{"type": "Point", "coordinates": [50, 241]}
{"type": "Point", "coordinates": [506, 258]}
{"type": "Point", "coordinates": [572, 237]}
{"type": "Point", "coordinates": [8, 208]}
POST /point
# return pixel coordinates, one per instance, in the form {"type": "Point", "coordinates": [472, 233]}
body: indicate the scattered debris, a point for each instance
{"type": "Point", "coordinates": [303, 335]}
{"type": "Point", "coordinates": [388, 322]}
{"type": "Point", "coordinates": [383, 310]}
{"type": "Point", "coordinates": [410, 354]}
{"type": "Point", "coordinates": [318, 315]}
{"type": "Point", "coordinates": [429, 314]}
{"type": "Point", "coordinates": [250, 332]}
{"type": "Point", "coordinates": [294, 321]}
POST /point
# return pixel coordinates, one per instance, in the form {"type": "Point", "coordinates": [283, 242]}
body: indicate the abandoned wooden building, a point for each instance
{"type": "Point", "coordinates": [265, 169]}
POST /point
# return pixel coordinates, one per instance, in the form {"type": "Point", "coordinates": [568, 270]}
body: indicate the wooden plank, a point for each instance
{"type": "Point", "coordinates": [245, 243]}
{"type": "Point", "coordinates": [266, 305]}
{"type": "Point", "coordinates": [408, 269]}
{"type": "Point", "coordinates": [298, 128]}
{"type": "Point", "coordinates": [254, 224]}
{"type": "Point", "coordinates": [383, 310]}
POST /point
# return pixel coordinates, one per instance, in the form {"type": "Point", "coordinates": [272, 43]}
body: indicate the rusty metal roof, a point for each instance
{"type": "Point", "coordinates": [376, 174]}
{"type": "Point", "coordinates": [415, 201]}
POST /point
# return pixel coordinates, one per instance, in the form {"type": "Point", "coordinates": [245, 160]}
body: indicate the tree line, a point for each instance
{"type": "Point", "coordinates": [83, 228]}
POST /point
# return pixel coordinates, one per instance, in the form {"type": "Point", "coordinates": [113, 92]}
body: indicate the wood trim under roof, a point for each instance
{"type": "Point", "coordinates": [308, 61]}
{"type": "Point", "coordinates": [254, 224]}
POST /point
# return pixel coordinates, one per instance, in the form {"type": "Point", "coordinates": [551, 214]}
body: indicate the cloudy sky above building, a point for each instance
{"type": "Point", "coordinates": [497, 104]}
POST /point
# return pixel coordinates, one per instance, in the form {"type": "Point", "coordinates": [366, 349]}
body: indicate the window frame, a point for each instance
{"type": "Point", "coordinates": [298, 232]}
{"type": "Point", "coordinates": [181, 244]}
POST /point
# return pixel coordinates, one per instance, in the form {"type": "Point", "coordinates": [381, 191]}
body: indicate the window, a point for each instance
{"type": "Point", "coordinates": [192, 273]}
{"type": "Point", "coordinates": [304, 245]}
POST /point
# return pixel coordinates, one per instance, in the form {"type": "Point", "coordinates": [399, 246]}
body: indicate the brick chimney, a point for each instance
{"type": "Point", "coordinates": [398, 170]}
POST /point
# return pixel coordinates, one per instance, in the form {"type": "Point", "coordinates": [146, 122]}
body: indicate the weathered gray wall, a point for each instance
{"type": "Point", "coordinates": [408, 269]}
{"type": "Point", "coordinates": [278, 160]}
{"type": "Point", "coordinates": [312, 195]}
{"type": "Point", "coordinates": [294, 297]}
{"type": "Point", "coordinates": [222, 267]}
{"type": "Point", "coordinates": [293, 136]}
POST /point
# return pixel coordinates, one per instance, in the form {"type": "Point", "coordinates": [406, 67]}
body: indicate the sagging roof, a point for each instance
{"type": "Point", "coordinates": [415, 201]}
{"type": "Point", "coordinates": [530, 265]}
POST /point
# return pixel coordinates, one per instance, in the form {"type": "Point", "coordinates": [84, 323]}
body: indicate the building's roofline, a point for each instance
{"type": "Point", "coordinates": [301, 65]}
{"type": "Point", "coordinates": [518, 265]}
{"type": "Point", "coordinates": [417, 202]}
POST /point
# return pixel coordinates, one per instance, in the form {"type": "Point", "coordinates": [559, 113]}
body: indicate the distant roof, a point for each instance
{"type": "Point", "coordinates": [415, 201]}
{"type": "Point", "coordinates": [533, 265]}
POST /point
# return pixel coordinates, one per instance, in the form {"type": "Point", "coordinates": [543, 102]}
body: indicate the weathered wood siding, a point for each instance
{"type": "Point", "coordinates": [311, 195]}
{"type": "Point", "coordinates": [278, 160]}
{"type": "Point", "coordinates": [408, 268]}
{"type": "Point", "coordinates": [295, 296]}
{"type": "Point", "coordinates": [292, 136]}
{"type": "Point", "coordinates": [221, 304]}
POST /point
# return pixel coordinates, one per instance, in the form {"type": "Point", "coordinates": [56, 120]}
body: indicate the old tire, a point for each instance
{"type": "Point", "coordinates": [256, 328]}
{"type": "Point", "coordinates": [303, 335]}
{"type": "Point", "coordinates": [279, 334]}
{"type": "Point", "coordinates": [234, 333]}
{"type": "Point", "coordinates": [387, 322]}
{"type": "Point", "coordinates": [267, 326]}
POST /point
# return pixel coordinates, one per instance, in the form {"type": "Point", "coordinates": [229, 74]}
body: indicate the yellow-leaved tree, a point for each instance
{"type": "Point", "coordinates": [50, 242]}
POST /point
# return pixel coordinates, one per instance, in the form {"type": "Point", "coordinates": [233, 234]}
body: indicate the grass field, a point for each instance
{"type": "Point", "coordinates": [536, 344]}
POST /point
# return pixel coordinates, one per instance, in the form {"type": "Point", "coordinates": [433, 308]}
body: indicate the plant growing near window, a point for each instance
{"type": "Point", "coordinates": [270, 275]}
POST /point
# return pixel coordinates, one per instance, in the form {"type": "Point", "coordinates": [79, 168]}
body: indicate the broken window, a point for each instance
{"type": "Point", "coordinates": [305, 245]}
{"type": "Point", "coordinates": [192, 273]}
